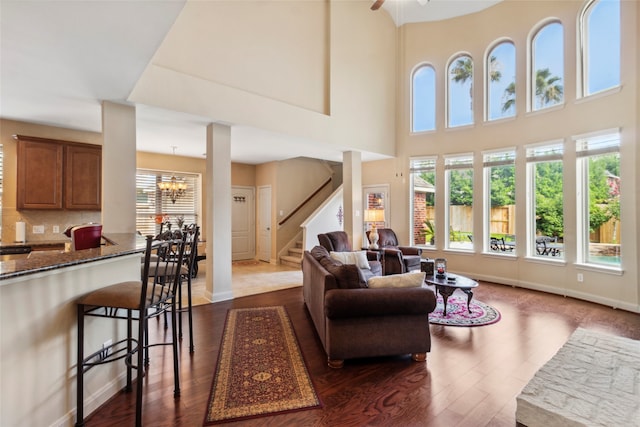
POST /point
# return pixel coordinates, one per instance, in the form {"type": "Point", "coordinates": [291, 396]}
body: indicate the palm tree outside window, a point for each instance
{"type": "Point", "coordinates": [460, 91]}
{"type": "Point", "coordinates": [501, 81]}
{"type": "Point", "coordinates": [547, 87]}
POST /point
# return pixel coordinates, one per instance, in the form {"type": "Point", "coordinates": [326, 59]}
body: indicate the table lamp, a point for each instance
{"type": "Point", "coordinates": [373, 216]}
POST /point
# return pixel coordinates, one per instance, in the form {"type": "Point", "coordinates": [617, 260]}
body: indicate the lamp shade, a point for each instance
{"type": "Point", "coordinates": [374, 215]}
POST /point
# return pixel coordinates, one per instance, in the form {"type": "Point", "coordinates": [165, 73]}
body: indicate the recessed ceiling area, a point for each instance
{"type": "Point", "coordinates": [60, 59]}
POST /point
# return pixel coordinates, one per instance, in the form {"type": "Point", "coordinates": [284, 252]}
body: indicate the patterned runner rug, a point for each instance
{"type": "Point", "coordinates": [458, 315]}
{"type": "Point", "coordinates": [260, 370]}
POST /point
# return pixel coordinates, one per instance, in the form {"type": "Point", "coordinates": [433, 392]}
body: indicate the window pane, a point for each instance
{"type": "Point", "coordinates": [603, 46]}
{"type": "Point", "coordinates": [461, 91]}
{"type": "Point", "coordinates": [423, 179]}
{"type": "Point", "coordinates": [459, 221]}
{"type": "Point", "coordinates": [599, 201]}
{"type": "Point", "coordinates": [548, 209]}
{"type": "Point", "coordinates": [424, 99]}
{"type": "Point", "coordinates": [500, 215]}
{"type": "Point", "coordinates": [502, 81]}
{"type": "Point", "coordinates": [548, 66]}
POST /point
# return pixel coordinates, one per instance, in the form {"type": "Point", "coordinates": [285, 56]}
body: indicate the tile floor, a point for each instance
{"type": "Point", "coordinates": [250, 277]}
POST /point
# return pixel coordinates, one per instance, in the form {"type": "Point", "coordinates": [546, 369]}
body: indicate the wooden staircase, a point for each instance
{"type": "Point", "coordinates": [293, 257]}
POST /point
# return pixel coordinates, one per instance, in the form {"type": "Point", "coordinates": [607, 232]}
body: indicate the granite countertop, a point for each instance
{"type": "Point", "coordinates": [38, 261]}
{"type": "Point", "coordinates": [34, 244]}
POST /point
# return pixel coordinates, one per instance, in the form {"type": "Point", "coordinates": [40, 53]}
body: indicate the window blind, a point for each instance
{"type": "Point", "coordinates": [152, 204]}
{"type": "Point", "coordinates": [423, 164]}
{"type": "Point", "coordinates": [545, 152]}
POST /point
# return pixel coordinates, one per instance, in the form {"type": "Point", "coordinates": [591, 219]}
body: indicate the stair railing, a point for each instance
{"type": "Point", "coordinates": [301, 205]}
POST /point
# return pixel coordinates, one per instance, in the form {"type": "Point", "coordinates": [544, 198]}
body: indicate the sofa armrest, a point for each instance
{"type": "Point", "coordinates": [346, 303]}
{"type": "Point", "coordinates": [410, 250]}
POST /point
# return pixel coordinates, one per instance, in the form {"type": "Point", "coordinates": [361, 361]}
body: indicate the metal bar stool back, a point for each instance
{"type": "Point", "coordinates": [152, 295]}
{"type": "Point", "coordinates": [191, 235]}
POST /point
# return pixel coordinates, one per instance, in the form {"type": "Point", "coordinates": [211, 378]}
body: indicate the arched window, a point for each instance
{"type": "Point", "coordinates": [599, 28]}
{"type": "Point", "coordinates": [547, 71]}
{"type": "Point", "coordinates": [423, 99]}
{"type": "Point", "coordinates": [501, 81]}
{"type": "Point", "coordinates": [460, 91]}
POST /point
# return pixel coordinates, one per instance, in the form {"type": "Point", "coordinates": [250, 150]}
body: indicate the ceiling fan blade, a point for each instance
{"type": "Point", "coordinates": [377, 4]}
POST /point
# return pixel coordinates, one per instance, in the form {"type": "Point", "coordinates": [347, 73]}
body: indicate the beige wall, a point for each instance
{"type": "Point", "coordinates": [296, 180]}
{"type": "Point", "coordinates": [291, 182]}
{"type": "Point", "coordinates": [327, 76]}
{"type": "Point", "coordinates": [10, 215]}
{"type": "Point", "coordinates": [427, 42]}
{"type": "Point", "coordinates": [241, 174]}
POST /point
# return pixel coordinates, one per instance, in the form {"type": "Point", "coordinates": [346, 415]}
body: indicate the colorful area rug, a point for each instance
{"type": "Point", "coordinates": [458, 315]}
{"type": "Point", "coordinates": [261, 370]}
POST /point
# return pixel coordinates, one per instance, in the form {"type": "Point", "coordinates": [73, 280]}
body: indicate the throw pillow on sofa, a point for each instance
{"type": "Point", "coordinates": [405, 280]}
{"type": "Point", "coordinates": [358, 258]}
{"type": "Point", "coordinates": [347, 276]}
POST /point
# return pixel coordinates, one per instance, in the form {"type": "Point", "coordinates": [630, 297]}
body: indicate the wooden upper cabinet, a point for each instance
{"type": "Point", "coordinates": [55, 174]}
{"type": "Point", "coordinates": [39, 183]}
{"type": "Point", "coordinates": [83, 173]}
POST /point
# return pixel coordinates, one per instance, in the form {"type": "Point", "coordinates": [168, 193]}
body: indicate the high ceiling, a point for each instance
{"type": "Point", "coordinates": [60, 59]}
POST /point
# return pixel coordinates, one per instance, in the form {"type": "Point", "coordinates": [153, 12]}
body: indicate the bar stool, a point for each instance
{"type": "Point", "coordinates": [191, 234]}
{"type": "Point", "coordinates": [148, 298]}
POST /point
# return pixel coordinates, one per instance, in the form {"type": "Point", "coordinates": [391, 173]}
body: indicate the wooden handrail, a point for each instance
{"type": "Point", "coordinates": [293, 212]}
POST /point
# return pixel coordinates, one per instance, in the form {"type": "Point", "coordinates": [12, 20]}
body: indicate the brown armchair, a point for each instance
{"type": "Point", "coordinates": [338, 241]}
{"type": "Point", "coordinates": [397, 259]}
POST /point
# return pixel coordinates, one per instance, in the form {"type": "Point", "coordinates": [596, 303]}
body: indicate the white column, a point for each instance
{"type": "Point", "coordinates": [218, 220]}
{"type": "Point", "coordinates": [352, 196]}
{"type": "Point", "coordinates": [118, 168]}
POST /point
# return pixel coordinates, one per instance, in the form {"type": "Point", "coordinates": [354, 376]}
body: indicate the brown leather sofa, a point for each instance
{"type": "Point", "coordinates": [397, 259]}
{"type": "Point", "coordinates": [338, 241]}
{"type": "Point", "coordinates": [353, 321]}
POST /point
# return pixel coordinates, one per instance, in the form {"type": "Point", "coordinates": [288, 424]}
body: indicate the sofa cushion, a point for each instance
{"type": "Point", "coordinates": [319, 252]}
{"type": "Point", "coordinates": [348, 276]}
{"type": "Point", "coordinates": [405, 280]}
{"type": "Point", "coordinates": [358, 258]}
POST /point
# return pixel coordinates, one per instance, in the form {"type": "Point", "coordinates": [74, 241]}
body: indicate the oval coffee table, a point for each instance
{"type": "Point", "coordinates": [446, 287]}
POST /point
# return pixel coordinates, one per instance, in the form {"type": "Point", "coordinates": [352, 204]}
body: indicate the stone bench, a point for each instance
{"type": "Point", "coordinates": [593, 380]}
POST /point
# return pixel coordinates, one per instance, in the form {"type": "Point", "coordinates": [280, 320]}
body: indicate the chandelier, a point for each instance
{"type": "Point", "coordinates": [173, 189]}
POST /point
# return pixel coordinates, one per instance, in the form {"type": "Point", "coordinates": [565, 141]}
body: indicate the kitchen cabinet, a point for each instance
{"type": "Point", "coordinates": [83, 173]}
{"type": "Point", "coordinates": [54, 174]}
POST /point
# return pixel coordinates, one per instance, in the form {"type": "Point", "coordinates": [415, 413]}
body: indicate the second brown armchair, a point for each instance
{"type": "Point", "coordinates": [397, 259]}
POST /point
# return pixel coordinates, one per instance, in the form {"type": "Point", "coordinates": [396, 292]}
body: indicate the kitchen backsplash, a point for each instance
{"type": "Point", "coordinates": [46, 220]}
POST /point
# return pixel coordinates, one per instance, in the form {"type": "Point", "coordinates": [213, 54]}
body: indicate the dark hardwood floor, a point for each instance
{"type": "Point", "coordinates": [471, 378]}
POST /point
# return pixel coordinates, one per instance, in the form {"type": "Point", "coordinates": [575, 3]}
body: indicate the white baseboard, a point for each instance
{"type": "Point", "coordinates": [93, 402]}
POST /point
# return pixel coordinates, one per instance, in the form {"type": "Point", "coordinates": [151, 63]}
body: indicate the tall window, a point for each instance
{"type": "Point", "coordinates": [500, 201]}
{"type": "Point", "coordinates": [459, 201]}
{"type": "Point", "coordinates": [153, 208]}
{"type": "Point", "coordinates": [545, 206]}
{"type": "Point", "coordinates": [600, 45]}
{"type": "Point", "coordinates": [423, 202]}
{"type": "Point", "coordinates": [547, 74]}
{"type": "Point", "coordinates": [423, 99]}
{"type": "Point", "coordinates": [460, 91]}
{"type": "Point", "coordinates": [598, 185]}
{"type": "Point", "coordinates": [501, 81]}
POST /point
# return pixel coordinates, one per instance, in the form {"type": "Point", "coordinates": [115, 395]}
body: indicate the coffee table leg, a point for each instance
{"type": "Point", "coordinates": [469, 296]}
{"type": "Point", "coordinates": [446, 292]}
